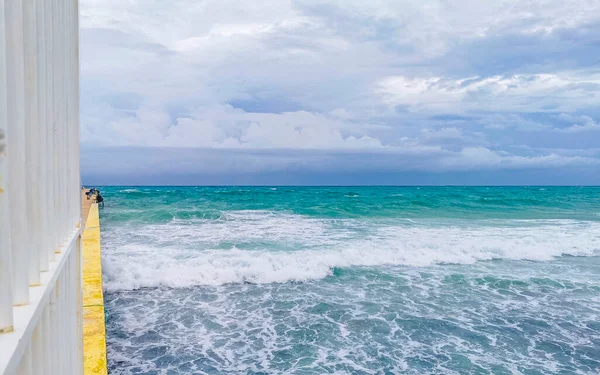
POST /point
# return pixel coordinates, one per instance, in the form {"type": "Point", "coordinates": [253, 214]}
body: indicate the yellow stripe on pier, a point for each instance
{"type": "Point", "coordinates": [94, 328]}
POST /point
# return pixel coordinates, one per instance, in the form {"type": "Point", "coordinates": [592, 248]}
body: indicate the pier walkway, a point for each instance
{"type": "Point", "coordinates": [94, 328]}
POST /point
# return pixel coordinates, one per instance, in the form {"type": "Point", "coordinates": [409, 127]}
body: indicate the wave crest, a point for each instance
{"type": "Point", "coordinates": [184, 263]}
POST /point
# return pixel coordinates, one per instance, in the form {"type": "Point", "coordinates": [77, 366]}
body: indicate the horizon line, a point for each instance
{"type": "Point", "coordinates": [326, 185]}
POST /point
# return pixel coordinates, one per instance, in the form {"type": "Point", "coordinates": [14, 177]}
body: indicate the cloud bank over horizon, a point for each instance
{"type": "Point", "coordinates": [353, 87]}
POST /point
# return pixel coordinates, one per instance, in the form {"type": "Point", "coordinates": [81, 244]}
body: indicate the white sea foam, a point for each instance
{"type": "Point", "coordinates": [263, 247]}
{"type": "Point", "coordinates": [365, 326]}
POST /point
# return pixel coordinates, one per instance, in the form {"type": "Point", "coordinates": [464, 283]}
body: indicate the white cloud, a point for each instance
{"type": "Point", "coordinates": [525, 93]}
{"type": "Point", "coordinates": [583, 124]}
{"type": "Point", "coordinates": [351, 75]}
{"type": "Point", "coordinates": [473, 158]}
{"type": "Point", "coordinates": [227, 127]}
{"type": "Point", "coordinates": [499, 121]}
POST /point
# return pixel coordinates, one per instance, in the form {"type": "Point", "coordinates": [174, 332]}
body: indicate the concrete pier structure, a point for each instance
{"type": "Point", "coordinates": [94, 328]}
{"type": "Point", "coordinates": [41, 298]}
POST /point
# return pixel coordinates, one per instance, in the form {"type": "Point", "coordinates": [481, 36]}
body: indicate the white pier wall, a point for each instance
{"type": "Point", "coordinates": [40, 192]}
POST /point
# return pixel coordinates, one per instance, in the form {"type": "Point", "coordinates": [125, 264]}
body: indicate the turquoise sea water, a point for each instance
{"type": "Point", "coordinates": [349, 280]}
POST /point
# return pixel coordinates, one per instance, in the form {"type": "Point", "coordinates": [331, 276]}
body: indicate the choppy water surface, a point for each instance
{"type": "Point", "coordinates": [352, 280]}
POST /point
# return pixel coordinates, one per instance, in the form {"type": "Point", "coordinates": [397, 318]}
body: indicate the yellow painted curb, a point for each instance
{"type": "Point", "coordinates": [94, 328]}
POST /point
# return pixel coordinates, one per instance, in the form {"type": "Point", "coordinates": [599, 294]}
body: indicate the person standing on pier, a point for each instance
{"type": "Point", "coordinates": [99, 199]}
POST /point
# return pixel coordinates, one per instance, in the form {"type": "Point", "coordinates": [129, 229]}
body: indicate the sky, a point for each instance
{"type": "Point", "coordinates": [340, 92]}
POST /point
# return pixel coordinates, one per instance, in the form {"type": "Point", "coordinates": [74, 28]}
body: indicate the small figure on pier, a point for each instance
{"type": "Point", "coordinates": [99, 199]}
{"type": "Point", "coordinates": [90, 193]}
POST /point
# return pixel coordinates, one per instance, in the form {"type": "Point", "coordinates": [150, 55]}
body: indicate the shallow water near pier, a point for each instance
{"type": "Point", "coordinates": [373, 280]}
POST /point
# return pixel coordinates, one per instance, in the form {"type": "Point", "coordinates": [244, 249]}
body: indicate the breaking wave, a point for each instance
{"type": "Point", "coordinates": [263, 247]}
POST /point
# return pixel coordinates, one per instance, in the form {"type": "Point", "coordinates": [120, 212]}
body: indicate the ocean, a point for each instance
{"type": "Point", "coordinates": [352, 280]}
